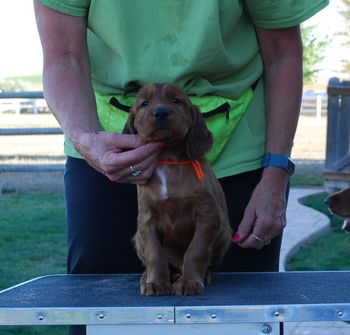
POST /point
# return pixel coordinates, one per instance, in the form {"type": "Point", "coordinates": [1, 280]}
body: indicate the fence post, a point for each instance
{"type": "Point", "coordinates": [332, 124]}
{"type": "Point", "coordinates": [337, 165]}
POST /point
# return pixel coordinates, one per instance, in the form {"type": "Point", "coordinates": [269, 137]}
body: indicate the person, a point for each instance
{"type": "Point", "coordinates": [245, 52]}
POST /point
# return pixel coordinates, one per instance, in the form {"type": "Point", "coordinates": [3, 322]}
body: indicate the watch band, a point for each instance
{"type": "Point", "coordinates": [279, 161]}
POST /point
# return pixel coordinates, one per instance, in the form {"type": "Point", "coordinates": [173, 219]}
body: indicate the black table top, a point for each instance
{"type": "Point", "coordinates": [225, 290]}
{"type": "Point", "coordinates": [231, 297]}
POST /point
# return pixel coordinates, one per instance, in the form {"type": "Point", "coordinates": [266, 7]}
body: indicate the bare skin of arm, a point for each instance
{"type": "Point", "coordinates": [265, 214]}
{"type": "Point", "coordinates": [68, 91]}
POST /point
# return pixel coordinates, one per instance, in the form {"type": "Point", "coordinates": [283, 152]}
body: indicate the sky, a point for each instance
{"type": "Point", "coordinates": [330, 22]}
{"type": "Point", "coordinates": [19, 41]}
{"type": "Point", "coordinates": [21, 51]}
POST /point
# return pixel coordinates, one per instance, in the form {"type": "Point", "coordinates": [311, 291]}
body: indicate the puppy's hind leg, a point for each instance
{"type": "Point", "coordinates": [219, 250]}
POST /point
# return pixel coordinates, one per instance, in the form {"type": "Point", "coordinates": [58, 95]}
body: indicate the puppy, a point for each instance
{"type": "Point", "coordinates": [182, 219]}
{"type": "Point", "coordinates": [339, 203]}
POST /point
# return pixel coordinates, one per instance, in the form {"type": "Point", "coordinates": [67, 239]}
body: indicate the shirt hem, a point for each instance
{"type": "Point", "coordinates": [291, 22]}
{"type": "Point", "coordinates": [238, 170]}
{"type": "Point", "coordinates": [64, 8]}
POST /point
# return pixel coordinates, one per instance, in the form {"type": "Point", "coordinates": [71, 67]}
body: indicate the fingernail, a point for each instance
{"type": "Point", "coordinates": [235, 237]}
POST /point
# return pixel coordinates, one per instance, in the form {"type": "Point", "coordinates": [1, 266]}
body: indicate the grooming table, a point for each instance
{"type": "Point", "coordinates": [234, 303]}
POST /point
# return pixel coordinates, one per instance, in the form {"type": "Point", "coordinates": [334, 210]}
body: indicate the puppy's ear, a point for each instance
{"type": "Point", "coordinates": [199, 138]}
{"type": "Point", "coordinates": [129, 127]}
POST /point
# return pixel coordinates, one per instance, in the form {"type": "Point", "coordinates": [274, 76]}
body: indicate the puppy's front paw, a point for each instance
{"type": "Point", "coordinates": [184, 286]}
{"type": "Point", "coordinates": [156, 288]}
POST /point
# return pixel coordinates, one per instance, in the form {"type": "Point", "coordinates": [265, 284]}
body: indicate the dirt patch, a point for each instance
{"type": "Point", "coordinates": [310, 138]}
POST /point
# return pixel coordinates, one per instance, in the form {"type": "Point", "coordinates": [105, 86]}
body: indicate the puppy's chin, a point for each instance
{"type": "Point", "coordinates": [336, 211]}
{"type": "Point", "coordinates": [346, 223]}
{"type": "Point", "coordinates": [163, 135]}
{"type": "Point", "coordinates": [330, 210]}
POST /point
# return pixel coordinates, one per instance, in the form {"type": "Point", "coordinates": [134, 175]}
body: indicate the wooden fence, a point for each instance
{"type": "Point", "coordinates": [337, 165]}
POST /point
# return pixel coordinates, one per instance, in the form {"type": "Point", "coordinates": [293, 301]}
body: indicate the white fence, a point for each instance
{"type": "Point", "coordinates": [33, 102]}
{"type": "Point", "coordinates": [20, 103]}
{"type": "Point", "coordinates": [19, 106]}
{"type": "Point", "coordinates": [314, 104]}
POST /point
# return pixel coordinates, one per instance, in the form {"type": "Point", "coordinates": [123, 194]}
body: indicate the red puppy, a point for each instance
{"type": "Point", "coordinates": [182, 219]}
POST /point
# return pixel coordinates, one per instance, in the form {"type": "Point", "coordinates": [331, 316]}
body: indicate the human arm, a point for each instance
{"type": "Point", "coordinates": [69, 93]}
{"type": "Point", "coordinates": [265, 214]}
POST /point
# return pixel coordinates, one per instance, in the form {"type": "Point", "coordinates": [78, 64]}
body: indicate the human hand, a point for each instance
{"type": "Point", "coordinates": [115, 155]}
{"type": "Point", "coordinates": [265, 215]}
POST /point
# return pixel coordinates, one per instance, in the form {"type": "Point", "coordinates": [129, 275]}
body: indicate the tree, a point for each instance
{"type": "Point", "coordinates": [314, 52]}
{"type": "Point", "coordinates": [13, 85]}
{"type": "Point", "coordinates": [345, 12]}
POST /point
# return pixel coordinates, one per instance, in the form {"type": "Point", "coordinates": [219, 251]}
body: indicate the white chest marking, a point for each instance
{"type": "Point", "coordinates": [162, 176]}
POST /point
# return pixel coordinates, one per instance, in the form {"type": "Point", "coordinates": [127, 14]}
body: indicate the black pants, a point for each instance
{"type": "Point", "coordinates": [101, 220]}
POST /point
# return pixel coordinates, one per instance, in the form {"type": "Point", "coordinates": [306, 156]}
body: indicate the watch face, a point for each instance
{"type": "Point", "coordinates": [291, 166]}
{"type": "Point", "coordinates": [279, 161]}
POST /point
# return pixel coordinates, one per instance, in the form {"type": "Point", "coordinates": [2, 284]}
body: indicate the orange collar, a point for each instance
{"type": "Point", "coordinates": [196, 166]}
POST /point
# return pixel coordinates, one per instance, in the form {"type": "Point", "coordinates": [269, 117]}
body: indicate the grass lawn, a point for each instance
{"type": "Point", "coordinates": [32, 243]}
{"type": "Point", "coordinates": [330, 252]}
{"type": "Point", "coordinates": [306, 180]}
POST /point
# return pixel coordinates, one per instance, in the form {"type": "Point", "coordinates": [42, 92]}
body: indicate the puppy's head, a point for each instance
{"type": "Point", "coordinates": [338, 203]}
{"type": "Point", "coordinates": [162, 112]}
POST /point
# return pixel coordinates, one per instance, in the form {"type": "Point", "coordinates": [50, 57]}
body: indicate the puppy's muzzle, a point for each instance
{"type": "Point", "coordinates": [328, 202]}
{"type": "Point", "coordinates": [161, 114]}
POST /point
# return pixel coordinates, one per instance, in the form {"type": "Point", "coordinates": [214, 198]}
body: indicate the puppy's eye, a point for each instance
{"type": "Point", "coordinates": [144, 103]}
{"type": "Point", "coordinates": [175, 101]}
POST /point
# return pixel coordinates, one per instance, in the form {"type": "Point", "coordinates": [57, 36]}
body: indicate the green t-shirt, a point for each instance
{"type": "Point", "coordinates": [206, 47]}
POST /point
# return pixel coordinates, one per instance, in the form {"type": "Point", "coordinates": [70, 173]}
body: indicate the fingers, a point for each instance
{"type": "Point", "coordinates": [260, 224]}
{"type": "Point", "coordinates": [143, 153]}
{"type": "Point", "coordinates": [265, 215]}
{"type": "Point", "coordinates": [246, 226]}
{"type": "Point", "coordinates": [258, 233]}
{"type": "Point", "coordinates": [257, 239]}
{"type": "Point", "coordinates": [126, 141]}
{"type": "Point", "coordinates": [134, 166]}
{"type": "Point", "coordinates": [117, 155]}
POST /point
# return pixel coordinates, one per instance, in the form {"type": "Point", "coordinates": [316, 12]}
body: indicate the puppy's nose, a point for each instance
{"type": "Point", "coordinates": [160, 114]}
{"type": "Point", "coordinates": [328, 201]}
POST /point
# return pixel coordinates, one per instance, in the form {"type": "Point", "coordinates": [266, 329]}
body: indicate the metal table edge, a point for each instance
{"type": "Point", "coordinates": [263, 313]}
{"type": "Point", "coordinates": [87, 315]}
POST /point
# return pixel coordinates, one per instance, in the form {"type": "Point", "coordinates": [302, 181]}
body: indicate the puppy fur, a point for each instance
{"type": "Point", "coordinates": [182, 221]}
{"type": "Point", "coordinates": [339, 204]}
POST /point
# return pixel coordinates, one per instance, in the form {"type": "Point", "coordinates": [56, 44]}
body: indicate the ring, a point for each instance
{"type": "Point", "coordinates": [134, 172]}
{"type": "Point", "coordinates": [261, 239]}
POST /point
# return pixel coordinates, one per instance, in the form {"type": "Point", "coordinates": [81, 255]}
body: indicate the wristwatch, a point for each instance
{"type": "Point", "coordinates": [279, 161]}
